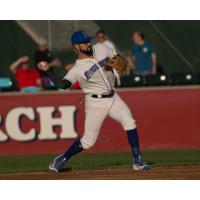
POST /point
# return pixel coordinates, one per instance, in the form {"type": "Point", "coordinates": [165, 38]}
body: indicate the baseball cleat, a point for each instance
{"type": "Point", "coordinates": [139, 164]}
{"type": "Point", "coordinates": [57, 165]}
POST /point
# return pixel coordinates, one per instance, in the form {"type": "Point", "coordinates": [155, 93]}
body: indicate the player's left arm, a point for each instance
{"type": "Point", "coordinates": [116, 62]}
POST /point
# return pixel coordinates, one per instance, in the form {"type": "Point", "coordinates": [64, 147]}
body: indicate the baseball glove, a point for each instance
{"type": "Point", "coordinates": [118, 63]}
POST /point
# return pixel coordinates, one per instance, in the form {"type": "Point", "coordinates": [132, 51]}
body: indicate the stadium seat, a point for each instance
{"type": "Point", "coordinates": [132, 81]}
{"type": "Point", "coordinates": [198, 78]}
{"type": "Point", "coordinates": [5, 84]}
{"type": "Point", "coordinates": [183, 79]}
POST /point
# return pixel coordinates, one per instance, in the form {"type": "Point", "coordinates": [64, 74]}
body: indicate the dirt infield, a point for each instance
{"type": "Point", "coordinates": [178, 172]}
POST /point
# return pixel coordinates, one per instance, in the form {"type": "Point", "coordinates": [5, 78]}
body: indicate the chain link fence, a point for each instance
{"type": "Point", "coordinates": [57, 32]}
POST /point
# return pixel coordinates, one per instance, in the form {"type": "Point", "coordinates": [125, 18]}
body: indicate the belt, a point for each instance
{"type": "Point", "coordinates": [99, 96]}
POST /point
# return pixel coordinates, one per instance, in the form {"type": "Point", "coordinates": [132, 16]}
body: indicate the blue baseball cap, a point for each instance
{"type": "Point", "coordinates": [79, 37]}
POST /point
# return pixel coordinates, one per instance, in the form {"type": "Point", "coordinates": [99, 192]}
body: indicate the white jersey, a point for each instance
{"type": "Point", "coordinates": [111, 45]}
{"type": "Point", "coordinates": [91, 73]}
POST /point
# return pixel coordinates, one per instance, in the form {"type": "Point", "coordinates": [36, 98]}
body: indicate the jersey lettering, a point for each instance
{"type": "Point", "coordinates": [103, 62]}
{"type": "Point", "coordinates": [88, 74]}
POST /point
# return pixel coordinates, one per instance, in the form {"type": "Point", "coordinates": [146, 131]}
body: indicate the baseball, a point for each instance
{"type": "Point", "coordinates": [43, 65]}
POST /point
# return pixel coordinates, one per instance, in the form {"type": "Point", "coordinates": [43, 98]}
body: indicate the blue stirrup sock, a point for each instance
{"type": "Point", "coordinates": [75, 148]}
{"type": "Point", "coordinates": [133, 140]}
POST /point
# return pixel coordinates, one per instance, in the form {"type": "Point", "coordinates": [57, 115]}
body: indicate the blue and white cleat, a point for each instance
{"type": "Point", "coordinates": [139, 164]}
{"type": "Point", "coordinates": [57, 165]}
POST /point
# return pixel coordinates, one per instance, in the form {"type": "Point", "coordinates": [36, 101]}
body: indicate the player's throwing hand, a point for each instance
{"type": "Point", "coordinates": [43, 65]}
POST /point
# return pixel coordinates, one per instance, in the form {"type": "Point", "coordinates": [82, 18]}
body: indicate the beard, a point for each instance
{"type": "Point", "coordinates": [88, 52]}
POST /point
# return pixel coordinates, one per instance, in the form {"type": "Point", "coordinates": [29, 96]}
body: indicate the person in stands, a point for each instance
{"type": "Point", "coordinates": [28, 79]}
{"type": "Point", "coordinates": [43, 54]}
{"type": "Point", "coordinates": [144, 55]}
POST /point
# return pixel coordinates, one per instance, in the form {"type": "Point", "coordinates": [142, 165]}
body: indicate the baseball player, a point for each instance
{"type": "Point", "coordinates": [101, 100]}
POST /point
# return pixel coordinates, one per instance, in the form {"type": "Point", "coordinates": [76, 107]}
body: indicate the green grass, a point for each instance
{"type": "Point", "coordinates": [84, 161]}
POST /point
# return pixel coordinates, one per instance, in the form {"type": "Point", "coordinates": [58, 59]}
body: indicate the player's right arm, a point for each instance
{"type": "Point", "coordinates": [65, 83]}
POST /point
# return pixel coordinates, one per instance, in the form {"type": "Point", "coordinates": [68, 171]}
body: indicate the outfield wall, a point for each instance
{"type": "Point", "coordinates": [167, 118]}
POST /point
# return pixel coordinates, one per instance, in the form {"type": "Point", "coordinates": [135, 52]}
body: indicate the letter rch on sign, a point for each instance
{"type": "Point", "coordinates": [46, 121]}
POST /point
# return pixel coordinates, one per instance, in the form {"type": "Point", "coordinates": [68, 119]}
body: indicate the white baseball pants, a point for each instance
{"type": "Point", "coordinates": [97, 110]}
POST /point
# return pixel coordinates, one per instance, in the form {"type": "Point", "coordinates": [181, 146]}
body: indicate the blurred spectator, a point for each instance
{"type": "Point", "coordinates": [144, 56]}
{"type": "Point", "coordinates": [69, 66]}
{"type": "Point", "coordinates": [131, 65]}
{"type": "Point", "coordinates": [28, 79]}
{"type": "Point", "coordinates": [102, 39]}
{"type": "Point", "coordinates": [43, 54]}
{"type": "Point", "coordinates": [76, 86]}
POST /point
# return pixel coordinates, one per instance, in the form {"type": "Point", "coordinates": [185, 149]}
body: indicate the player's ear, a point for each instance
{"type": "Point", "coordinates": [76, 47]}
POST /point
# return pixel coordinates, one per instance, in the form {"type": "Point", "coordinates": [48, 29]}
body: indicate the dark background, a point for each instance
{"type": "Point", "coordinates": [14, 42]}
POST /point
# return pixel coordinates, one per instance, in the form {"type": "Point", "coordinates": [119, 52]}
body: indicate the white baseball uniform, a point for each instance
{"type": "Point", "coordinates": [94, 79]}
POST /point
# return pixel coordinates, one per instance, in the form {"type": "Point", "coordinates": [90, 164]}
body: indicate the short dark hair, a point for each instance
{"type": "Point", "coordinates": [100, 31]}
{"type": "Point", "coordinates": [141, 34]}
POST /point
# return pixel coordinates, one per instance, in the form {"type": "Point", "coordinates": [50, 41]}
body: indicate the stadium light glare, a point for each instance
{"type": "Point", "coordinates": [137, 79]}
{"type": "Point", "coordinates": [163, 77]}
{"type": "Point", "coordinates": [10, 83]}
{"type": "Point", "coordinates": [188, 76]}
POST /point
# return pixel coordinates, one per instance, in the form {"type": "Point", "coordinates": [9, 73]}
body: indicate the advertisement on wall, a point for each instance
{"type": "Point", "coordinates": [48, 123]}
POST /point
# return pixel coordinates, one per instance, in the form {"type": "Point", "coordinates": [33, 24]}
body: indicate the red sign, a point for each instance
{"type": "Point", "coordinates": [49, 122]}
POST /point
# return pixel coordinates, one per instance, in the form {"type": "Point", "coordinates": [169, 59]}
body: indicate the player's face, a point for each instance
{"type": "Point", "coordinates": [85, 48]}
{"type": "Point", "coordinates": [101, 37]}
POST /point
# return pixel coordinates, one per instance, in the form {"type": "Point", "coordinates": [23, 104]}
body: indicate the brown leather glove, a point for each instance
{"type": "Point", "coordinates": [118, 63]}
